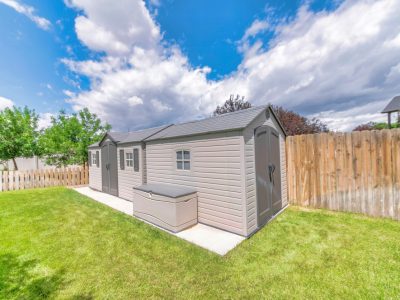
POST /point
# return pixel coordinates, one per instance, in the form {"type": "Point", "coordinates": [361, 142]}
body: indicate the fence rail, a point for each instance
{"type": "Point", "coordinates": [356, 172]}
{"type": "Point", "coordinates": [20, 180]}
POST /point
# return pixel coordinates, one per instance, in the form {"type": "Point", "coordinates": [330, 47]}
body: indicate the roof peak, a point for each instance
{"type": "Point", "coordinates": [393, 105]}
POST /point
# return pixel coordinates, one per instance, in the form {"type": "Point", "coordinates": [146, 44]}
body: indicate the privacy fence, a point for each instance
{"type": "Point", "coordinates": [19, 180]}
{"type": "Point", "coordinates": [355, 172]}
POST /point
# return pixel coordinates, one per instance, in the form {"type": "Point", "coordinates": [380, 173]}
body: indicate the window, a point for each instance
{"type": "Point", "coordinates": [129, 159]}
{"type": "Point", "coordinates": [97, 158]}
{"type": "Point", "coordinates": [136, 159]}
{"type": "Point", "coordinates": [183, 160]}
{"type": "Point", "coordinates": [94, 159]}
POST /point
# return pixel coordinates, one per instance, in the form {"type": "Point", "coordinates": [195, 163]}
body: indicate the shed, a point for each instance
{"type": "Point", "coordinates": [117, 162]}
{"type": "Point", "coordinates": [235, 162]}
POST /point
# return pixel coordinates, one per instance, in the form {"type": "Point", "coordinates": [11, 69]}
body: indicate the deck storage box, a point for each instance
{"type": "Point", "coordinates": [169, 206]}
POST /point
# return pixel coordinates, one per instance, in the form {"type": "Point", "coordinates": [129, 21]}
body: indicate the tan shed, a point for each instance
{"type": "Point", "coordinates": [234, 162]}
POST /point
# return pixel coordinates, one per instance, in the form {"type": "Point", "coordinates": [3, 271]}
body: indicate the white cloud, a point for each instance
{"type": "Point", "coordinates": [115, 26]}
{"type": "Point", "coordinates": [45, 120]}
{"type": "Point", "coordinates": [330, 62]}
{"type": "Point", "coordinates": [255, 28]}
{"type": "Point", "coordinates": [134, 100]}
{"type": "Point", "coordinates": [69, 93]}
{"type": "Point", "coordinates": [29, 12]}
{"type": "Point", "coordinates": [348, 119]}
{"type": "Point", "coordinates": [5, 102]}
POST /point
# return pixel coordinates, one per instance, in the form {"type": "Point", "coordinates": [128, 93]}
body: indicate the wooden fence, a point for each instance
{"type": "Point", "coordinates": [356, 172]}
{"type": "Point", "coordinates": [20, 180]}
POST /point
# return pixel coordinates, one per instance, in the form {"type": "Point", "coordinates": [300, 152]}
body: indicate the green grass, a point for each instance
{"type": "Point", "coordinates": [55, 243]}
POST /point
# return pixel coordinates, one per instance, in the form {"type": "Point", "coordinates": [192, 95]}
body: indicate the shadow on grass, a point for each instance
{"type": "Point", "coordinates": [27, 279]}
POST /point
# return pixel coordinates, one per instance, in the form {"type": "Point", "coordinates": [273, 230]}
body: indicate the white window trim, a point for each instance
{"type": "Point", "coordinates": [129, 161]}
{"type": "Point", "coordinates": [94, 161]}
{"type": "Point", "coordinates": [183, 160]}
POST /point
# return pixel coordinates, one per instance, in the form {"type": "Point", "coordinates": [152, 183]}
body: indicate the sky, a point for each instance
{"type": "Point", "coordinates": [139, 63]}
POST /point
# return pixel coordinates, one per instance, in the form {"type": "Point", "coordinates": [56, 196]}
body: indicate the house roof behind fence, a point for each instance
{"type": "Point", "coordinates": [394, 105]}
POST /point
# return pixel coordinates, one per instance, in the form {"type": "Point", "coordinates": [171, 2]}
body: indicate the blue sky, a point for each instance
{"type": "Point", "coordinates": [168, 61]}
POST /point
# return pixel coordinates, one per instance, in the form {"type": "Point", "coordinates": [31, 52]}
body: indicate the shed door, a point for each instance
{"type": "Point", "coordinates": [268, 173]}
{"type": "Point", "coordinates": [109, 168]}
{"type": "Point", "coordinates": [275, 164]}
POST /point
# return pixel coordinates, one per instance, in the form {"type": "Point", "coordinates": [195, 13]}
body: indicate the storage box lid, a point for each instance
{"type": "Point", "coordinates": [168, 190]}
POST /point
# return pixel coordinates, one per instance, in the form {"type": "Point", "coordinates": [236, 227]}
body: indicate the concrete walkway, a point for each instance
{"type": "Point", "coordinates": [210, 238]}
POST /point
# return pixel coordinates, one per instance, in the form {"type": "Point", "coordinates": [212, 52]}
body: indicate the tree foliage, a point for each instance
{"type": "Point", "coordinates": [365, 126]}
{"type": "Point", "coordinates": [65, 142]}
{"type": "Point", "coordinates": [18, 134]}
{"type": "Point", "coordinates": [375, 126]}
{"type": "Point", "coordinates": [296, 124]}
{"type": "Point", "coordinates": [231, 105]}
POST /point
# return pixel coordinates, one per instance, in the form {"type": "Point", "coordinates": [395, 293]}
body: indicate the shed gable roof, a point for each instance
{"type": "Point", "coordinates": [129, 137]}
{"type": "Point", "coordinates": [231, 121]}
{"type": "Point", "coordinates": [227, 122]}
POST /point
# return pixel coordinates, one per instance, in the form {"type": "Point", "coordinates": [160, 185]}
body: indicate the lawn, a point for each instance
{"type": "Point", "coordinates": [56, 243]}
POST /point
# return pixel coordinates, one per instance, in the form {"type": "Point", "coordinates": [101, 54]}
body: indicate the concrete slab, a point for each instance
{"type": "Point", "coordinates": [110, 200]}
{"type": "Point", "coordinates": [210, 238]}
{"type": "Point", "coordinates": [213, 239]}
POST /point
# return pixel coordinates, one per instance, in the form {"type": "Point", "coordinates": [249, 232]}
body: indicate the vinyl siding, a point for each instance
{"type": "Point", "coordinates": [216, 173]}
{"type": "Point", "coordinates": [128, 178]}
{"type": "Point", "coordinates": [95, 172]}
{"type": "Point", "coordinates": [249, 162]}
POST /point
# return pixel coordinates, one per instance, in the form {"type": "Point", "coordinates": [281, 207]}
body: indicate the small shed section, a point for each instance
{"type": "Point", "coordinates": [117, 162]}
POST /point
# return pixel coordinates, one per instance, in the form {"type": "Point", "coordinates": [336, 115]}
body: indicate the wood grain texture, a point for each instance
{"type": "Point", "coordinates": [355, 172]}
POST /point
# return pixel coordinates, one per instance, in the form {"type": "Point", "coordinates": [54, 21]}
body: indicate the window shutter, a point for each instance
{"type": "Point", "coordinates": [90, 158]}
{"type": "Point", "coordinates": [97, 159]}
{"type": "Point", "coordinates": [121, 159]}
{"type": "Point", "coordinates": [136, 159]}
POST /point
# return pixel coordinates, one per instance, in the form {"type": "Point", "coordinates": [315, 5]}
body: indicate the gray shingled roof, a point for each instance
{"type": "Point", "coordinates": [132, 136]}
{"type": "Point", "coordinates": [140, 135]}
{"type": "Point", "coordinates": [231, 121]}
{"type": "Point", "coordinates": [394, 105]}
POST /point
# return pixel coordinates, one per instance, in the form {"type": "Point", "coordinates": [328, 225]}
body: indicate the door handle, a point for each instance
{"type": "Point", "coordinates": [271, 169]}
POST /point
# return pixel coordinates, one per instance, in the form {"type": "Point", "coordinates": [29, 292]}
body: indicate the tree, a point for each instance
{"type": "Point", "coordinates": [66, 141]}
{"type": "Point", "coordinates": [374, 126]}
{"type": "Point", "coordinates": [231, 105]}
{"type": "Point", "coordinates": [296, 124]}
{"type": "Point", "coordinates": [366, 126]}
{"type": "Point", "coordinates": [18, 134]}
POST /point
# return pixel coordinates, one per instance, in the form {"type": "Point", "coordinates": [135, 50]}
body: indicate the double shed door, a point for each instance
{"type": "Point", "coordinates": [268, 173]}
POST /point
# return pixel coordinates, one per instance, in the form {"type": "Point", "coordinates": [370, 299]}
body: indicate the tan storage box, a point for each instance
{"type": "Point", "coordinates": [168, 206]}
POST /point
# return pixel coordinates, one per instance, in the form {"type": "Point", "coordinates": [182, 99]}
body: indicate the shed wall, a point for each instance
{"type": "Point", "coordinates": [249, 161]}
{"type": "Point", "coordinates": [216, 173]}
{"type": "Point", "coordinates": [128, 178]}
{"type": "Point", "coordinates": [95, 179]}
